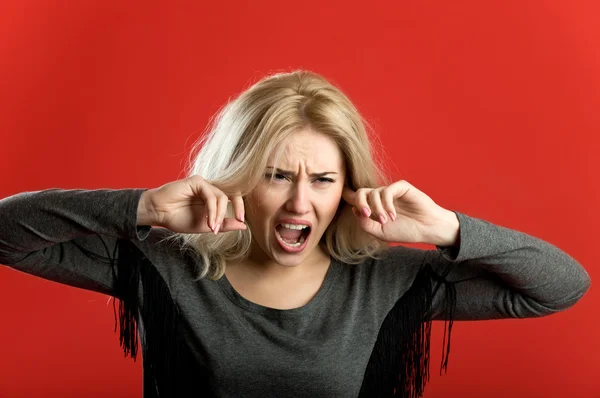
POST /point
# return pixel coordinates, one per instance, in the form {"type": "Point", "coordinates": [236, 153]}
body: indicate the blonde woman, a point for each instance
{"type": "Point", "coordinates": [268, 270]}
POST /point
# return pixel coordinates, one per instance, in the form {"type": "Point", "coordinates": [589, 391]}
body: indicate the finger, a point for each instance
{"type": "Point", "coordinates": [349, 195]}
{"type": "Point", "coordinates": [387, 198]}
{"type": "Point", "coordinates": [231, 224]}
{"type": "Point", "coordinates": [361, 202]}
{"type": "Point", "coordinates": [211, 206]}
{"type": "Point", "coordinates": [376, 206]}
{"type": "Point", "coordinates": [237, 202]}
{"type": "Point", "coordinates": [366, 223]}
{"type": "Point", "coordinates": [395, 192]}
{"type": "Point", "coordinates": [200, 189]}
{"type": "Point", "coordinates": [222, 201]}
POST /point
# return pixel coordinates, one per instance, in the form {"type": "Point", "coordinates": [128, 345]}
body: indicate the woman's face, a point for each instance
{"type": "Point", "coordinates": [289, 215]}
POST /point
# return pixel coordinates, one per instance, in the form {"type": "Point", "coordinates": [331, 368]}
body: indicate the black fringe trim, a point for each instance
{"type": "Point", "coordinates": [160, 326]}
{"type": "Point", "coordinates": [169, 367]}
{"type": "Point", "coordinates": [167, 364]}
{"type": "Point", "coordinates": [399, 363]}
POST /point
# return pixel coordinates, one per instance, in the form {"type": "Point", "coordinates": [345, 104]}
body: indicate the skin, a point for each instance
{"type": "Point", "coordinates": [299, 195]}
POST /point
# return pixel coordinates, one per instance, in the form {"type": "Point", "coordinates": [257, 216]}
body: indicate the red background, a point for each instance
{"type": "Point", "coordinates": [491, 108]}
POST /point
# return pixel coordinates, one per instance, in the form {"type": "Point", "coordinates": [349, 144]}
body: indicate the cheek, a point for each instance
{"type": "Point", "coordinates": [260, 207]}
{"type": "Point", "coordinates": [329, 208]}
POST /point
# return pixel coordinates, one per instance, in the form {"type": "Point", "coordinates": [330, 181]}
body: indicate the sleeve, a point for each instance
{"type": "Point", "coordinates": [496, 272]}
{"type": "Point", "coordinates": [68, 236]}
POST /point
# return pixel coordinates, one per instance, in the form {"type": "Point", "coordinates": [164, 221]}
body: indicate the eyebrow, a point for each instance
{"type": "Point", "coordinates": [289, 173]}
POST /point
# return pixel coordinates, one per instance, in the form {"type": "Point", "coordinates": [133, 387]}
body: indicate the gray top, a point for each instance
{"type": "Point", "coordinates": [318, 350]}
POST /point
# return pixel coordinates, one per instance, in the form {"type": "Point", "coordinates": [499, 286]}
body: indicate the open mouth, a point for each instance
{"type": "Point", "coordinates": [292, 237]}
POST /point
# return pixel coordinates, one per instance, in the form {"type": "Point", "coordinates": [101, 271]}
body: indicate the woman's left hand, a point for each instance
{"type": "Point", "coordinates": [401, 213]}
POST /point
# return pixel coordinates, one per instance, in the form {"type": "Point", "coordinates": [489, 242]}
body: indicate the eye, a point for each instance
{"type": "Point", "coordinates": [276, 176]}
{"type": "Point", "coordinates": [324, 180]}
{"type": "Point", "coordinates": [283, 177]}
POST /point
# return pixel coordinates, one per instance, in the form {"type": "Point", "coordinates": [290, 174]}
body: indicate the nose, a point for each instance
{"type": "Point", "coordinates": [298, 201]}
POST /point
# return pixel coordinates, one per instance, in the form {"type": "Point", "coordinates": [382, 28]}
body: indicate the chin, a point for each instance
{"type": "Point", "coordinates": [289, 261]}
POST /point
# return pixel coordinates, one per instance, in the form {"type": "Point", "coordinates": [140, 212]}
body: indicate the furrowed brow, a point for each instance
{"type": "Point", "coordinates": [291, 173]}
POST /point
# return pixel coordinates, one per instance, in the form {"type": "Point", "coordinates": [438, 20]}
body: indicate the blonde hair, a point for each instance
{"type": "Point", "coordinates": [234, 153]}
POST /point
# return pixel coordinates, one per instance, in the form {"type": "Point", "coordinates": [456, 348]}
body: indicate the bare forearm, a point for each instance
{"type": "Point", "coordinates": [447, 233]}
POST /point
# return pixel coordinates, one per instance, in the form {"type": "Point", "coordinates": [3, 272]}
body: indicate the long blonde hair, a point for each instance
{"type": "Point", "coordinates": [233, 155]}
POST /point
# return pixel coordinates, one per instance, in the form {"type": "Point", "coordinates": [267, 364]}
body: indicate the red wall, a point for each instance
{"type": "Point", "coordinates": [491, 108]}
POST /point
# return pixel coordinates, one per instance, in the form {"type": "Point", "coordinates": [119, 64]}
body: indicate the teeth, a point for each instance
{"type": "Point", "coordinates": [294, 226]}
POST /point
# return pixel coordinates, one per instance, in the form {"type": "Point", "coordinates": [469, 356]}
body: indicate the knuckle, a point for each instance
{"type": "Point", "coordinates": [362, 193]}
{"type": "Point", "coordinates": [209, 193]}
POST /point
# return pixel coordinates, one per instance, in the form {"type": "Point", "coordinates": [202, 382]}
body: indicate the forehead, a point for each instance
{"type": "Point", "coordinates": [311, 149]}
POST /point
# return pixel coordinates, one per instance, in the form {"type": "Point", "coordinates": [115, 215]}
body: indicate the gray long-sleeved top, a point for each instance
{"type": "Point", "coordinates": [318, 350]}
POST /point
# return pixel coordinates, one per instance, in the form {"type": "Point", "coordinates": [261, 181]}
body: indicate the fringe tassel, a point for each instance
{"type": "Point", "coordinates": [169, 367]}
{"type": "Point", "coordinates": [126, 288]}
{"type": "Point", "coordinates": [399, 363]}
{"type": "Point", "coordinates": [160, 327]}
{"type": "Point", "coordinates": [126, 280]}
{"type": "Point", "coordinates": [449, 311]}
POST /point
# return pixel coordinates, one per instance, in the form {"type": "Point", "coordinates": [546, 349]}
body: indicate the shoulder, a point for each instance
{"type": "Point", "coordinates": [395, 268]}
{"type": "Point", "coordinates": [403, 256]}
{"type": "Point", "coordinates": [166, 251]}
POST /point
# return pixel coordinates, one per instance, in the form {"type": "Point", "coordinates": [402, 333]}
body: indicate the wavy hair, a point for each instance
{"type": "Point", "coordinates": [233, 154]}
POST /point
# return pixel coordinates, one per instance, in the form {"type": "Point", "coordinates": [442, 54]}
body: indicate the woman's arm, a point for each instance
{"type": "Point", "coordinates": [46, 233]}
{"type": "Point", "coordinates": [503, 273]}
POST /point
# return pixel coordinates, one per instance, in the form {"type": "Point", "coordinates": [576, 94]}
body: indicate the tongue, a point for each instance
{"type": "Point", "coordinates": [290, 234]}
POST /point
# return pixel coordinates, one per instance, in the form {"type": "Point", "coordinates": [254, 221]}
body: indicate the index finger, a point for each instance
{"type": "Point", "coordinates": [238, 207]}
{"type": "Point", "coordinates": [349, 195]}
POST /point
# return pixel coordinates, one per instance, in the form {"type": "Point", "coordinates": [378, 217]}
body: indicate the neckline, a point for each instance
{"type": "Point", "coordinates": [241, 301]}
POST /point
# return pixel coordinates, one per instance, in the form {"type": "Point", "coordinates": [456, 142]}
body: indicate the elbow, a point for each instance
{"type": "Point", "coordinates": [581, 283]}
{"type": "Point", "coordinates": [578, 288]}
{"type": "Point", "coordinates": [559, 297]}
{"type": "Point", "coordinates": [581, 287]}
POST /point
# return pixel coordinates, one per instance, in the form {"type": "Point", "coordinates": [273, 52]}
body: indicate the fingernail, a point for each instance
{"type": "Point", "coordinates": [366, 212]}
{"type": "Point", "coordinates": [216, 230]}
{"type": "Point", "coordinates": [355, 211]}
{"type": "Point", "coordinates": [392, 216]}
{"type": "Point", "coordinates": [382, 218]}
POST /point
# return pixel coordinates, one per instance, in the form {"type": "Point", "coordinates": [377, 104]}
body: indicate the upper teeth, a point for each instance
{"type": "Point", "coordinates": [294, 226]}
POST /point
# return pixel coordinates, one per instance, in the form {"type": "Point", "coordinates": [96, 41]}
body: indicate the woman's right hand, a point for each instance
{"type": "Point", "coordinates": [190, 205]}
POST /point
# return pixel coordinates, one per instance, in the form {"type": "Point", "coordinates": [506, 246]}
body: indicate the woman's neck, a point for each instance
{"type": "Point", "coordinates": [264, 269]}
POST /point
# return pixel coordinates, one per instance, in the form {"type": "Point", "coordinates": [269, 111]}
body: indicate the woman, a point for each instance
{"type": "Point", "coordinates": [268, 271]}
